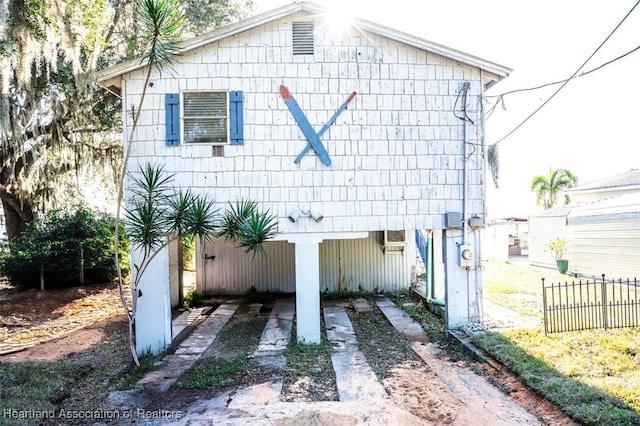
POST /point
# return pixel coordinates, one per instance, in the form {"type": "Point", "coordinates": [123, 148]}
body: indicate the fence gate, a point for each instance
{"type": "Point", "coordinates": [593, 304]}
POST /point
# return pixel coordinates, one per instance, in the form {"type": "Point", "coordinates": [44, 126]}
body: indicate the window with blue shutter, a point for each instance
{"type": "Point", "coordinates": [236, 119]}
{"type": "Point", "coordinates": [207, 117]}
{"type": "Point", "coordinates": [172, 109]}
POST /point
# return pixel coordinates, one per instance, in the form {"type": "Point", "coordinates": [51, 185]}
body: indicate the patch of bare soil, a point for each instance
{"type": "Point", "coordinates": [46, 319]}
{"type": "Point", "coordinates": [414, 387]}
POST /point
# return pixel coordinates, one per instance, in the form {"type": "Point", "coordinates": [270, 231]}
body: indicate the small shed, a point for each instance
{"type": "Point", "coordinates": [544, 227]}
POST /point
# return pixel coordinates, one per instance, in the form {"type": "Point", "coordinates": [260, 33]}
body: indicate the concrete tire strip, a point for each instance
{"type": "Point", "coordinates": [172, 366]}
{"type": "Point", "coordinates": [482, 403]}
{"type": "Point", "coordinates": [363, 400]}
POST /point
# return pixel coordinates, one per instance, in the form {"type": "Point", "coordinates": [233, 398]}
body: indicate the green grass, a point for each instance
{"type": "Point", "coordinates": [36, 385]}
{"type": "Point", "coordinates": [234, 346]}
{"type": "Point", "coordinates": [382, 345]}
{"type": "Point", "coordinates": [311, 361]}
{"type": "Point", "coordinates": [214, 372]}
{"type": "Point", "coordinates": [134, 373]}
{"type": "Point", "coordinates": [593, 376]}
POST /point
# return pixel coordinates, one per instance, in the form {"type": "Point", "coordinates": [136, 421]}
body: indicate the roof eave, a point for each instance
{"type": "Point", "coordinates": [110, 77]}
{"type": "Point", "coordinates": [498, 71]}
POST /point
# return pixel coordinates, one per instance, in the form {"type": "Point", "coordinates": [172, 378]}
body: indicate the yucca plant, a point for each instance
{"type": "Point", "coordinates": [159, 24]}
{"type": "Point", "coordinates": [158, 214]}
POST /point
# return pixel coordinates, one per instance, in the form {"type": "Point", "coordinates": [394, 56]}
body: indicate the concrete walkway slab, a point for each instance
{"type": "Point", "coordinates": [355, 379]}
{"type": "Point", "coordinates": [172, 366]}
{"type": "Point", "coordinates": [277, 331]}
{"type": "Point", "coordinates": [270, 352]}
{"type": "Point", "coordinates": [479, 396]}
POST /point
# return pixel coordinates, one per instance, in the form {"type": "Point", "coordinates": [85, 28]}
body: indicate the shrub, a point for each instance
{"type": "Point", "coordinates": [193, 298]}
{"type": "Point", "coordinates": [188, 252]}
{"type": "Point", "coordinates": [67, 247]}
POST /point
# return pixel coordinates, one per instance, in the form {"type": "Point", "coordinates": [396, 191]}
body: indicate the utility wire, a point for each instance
{"type": "Point", "coordinates": [569, 79]}
{"type": "Point", "coordinates": [542, 86]}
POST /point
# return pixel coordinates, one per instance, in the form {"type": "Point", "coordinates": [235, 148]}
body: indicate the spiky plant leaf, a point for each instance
{"type": "Point", "coordinates": [202, 218]}
{"type": "Point", "coordinates": [255, 230]}
{"type": "Point", "coordinates": [494, 163]}
{"type": "Point", "coordinates": [160, 24]}
{"type": "Point", "coordinates": [238, 213]}
{"type": "Point", "coordinates": [178, 212]}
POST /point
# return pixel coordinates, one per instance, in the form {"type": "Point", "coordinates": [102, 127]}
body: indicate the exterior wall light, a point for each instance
{"type": "Point", "coordinates": [316, 216]}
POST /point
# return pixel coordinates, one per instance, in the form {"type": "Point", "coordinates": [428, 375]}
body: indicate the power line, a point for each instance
{"type": "Point", "coordinates": [553, 83]}
{"type": "Point", "coordinates": [569, 79]}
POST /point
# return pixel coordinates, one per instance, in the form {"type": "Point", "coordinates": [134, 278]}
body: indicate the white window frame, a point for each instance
{"type": "Point", "coordinates": [183, 117]}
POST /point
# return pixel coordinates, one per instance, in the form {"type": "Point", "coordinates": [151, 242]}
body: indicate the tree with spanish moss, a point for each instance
{"type": "Point", "coordinates": [54, 119]}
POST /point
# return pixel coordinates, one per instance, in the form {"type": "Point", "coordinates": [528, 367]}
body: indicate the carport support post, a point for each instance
{"type": "Point", "coordinates": [153, 310]}
{"type": "Point", "coordinates": [308, 289]}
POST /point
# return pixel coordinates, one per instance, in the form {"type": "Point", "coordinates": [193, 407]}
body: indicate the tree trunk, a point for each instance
{"type": "Point", "coordinates": [16, 214]}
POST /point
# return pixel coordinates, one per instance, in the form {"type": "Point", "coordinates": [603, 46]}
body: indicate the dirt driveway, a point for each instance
{"type": "Point", "coordinates": [434, 388]}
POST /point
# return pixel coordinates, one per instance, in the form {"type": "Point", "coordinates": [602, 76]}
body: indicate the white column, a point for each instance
{"type": "Point", "coordinates": [307, 251]}
{"type": "Point", "coordinates": [153, 312]}
{"type": "Point", "coordinates": [308, 290]}
{"type": "Point", "coordinates": [462, 285]}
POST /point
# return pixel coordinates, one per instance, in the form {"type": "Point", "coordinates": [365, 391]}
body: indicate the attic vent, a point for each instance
{"type": "Point", "coordinates": [303, 38]}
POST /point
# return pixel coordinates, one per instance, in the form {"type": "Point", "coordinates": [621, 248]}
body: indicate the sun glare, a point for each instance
{"type": "Point", "coordinates": [339, 15]}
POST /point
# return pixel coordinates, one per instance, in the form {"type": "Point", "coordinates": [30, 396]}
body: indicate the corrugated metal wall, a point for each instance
{"type": "Point", "coordinates": [363, 265]}
{"type": "Point", "coordinates": [604, 237]}
{"type": "Point", "coordinates": [611, 248]}
{"type": "Point", "coordinates": [495, 241]}
{"type": "Point", "coordinates": [345, 265]}
{"type": "Point", "coordinates": [234, 272]}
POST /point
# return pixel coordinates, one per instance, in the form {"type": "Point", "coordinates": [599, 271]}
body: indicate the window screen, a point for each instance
{"type": "Point", "coordinates": [205, 116]}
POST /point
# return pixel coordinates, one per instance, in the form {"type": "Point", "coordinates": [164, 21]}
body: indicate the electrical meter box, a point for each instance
{"type": "Point", "coordinates": [466, 255]}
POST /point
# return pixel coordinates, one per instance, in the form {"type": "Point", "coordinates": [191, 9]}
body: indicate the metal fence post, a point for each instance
{"type": "Point", "coordinates": [604, 303]}
{"type": "Point", "coordinates": [544, 304]}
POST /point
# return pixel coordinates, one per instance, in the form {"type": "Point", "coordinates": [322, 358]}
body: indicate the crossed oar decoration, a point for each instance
{"type": "Point", "coordinates": [312, 137]}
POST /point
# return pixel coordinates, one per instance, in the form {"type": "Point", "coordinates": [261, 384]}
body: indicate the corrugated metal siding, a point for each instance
{"type": "Point", "coordinates": [604, 237]}
{"type": "Point", "coordinates": [345, 265]}
{"type": "Point", "coordinates": [234, 272]}
{"type": "Point", "coordinates": [495, 242]}
{"type": "Point", "coordinates": [610, 248]}
{"type": "Point", "coordinates": [362, 265]}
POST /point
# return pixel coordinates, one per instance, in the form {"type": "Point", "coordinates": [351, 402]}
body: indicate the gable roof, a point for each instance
{"type": "Point", "coordinates": [628, 179]}
{"type": "Point", "coordinates": [110, 77]}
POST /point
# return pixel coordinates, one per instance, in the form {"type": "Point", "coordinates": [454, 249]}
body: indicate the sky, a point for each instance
{"type": "Point", "coordinates": [591, 127]}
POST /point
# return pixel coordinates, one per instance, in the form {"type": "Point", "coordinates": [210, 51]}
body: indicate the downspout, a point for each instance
{"type": "Point", "coordinates": [429, 266]}
{"type": "Point", "coordinates": [465, 161]}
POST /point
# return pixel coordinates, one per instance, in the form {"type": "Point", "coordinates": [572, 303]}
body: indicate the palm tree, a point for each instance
{"type": "Point", "coordinates": [547, 188]}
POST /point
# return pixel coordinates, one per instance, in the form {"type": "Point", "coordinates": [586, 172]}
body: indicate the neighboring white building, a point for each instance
{"type": "Point", "coordinates": [602, 226]}
{"type": "Point", "coordinates": [399, 158]}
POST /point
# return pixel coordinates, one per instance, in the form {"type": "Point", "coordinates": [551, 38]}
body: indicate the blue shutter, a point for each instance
{"type": "Point", "coordinates": [172, 109]}
{"type": "Point", "coordinates": [236, 120]}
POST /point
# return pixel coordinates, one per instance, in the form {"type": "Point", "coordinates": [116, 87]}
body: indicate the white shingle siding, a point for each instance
{"type": "Point", "coordinates": [396, 152]}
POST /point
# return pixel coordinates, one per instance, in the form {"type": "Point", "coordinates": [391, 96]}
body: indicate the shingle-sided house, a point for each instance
{"type": "Point", "coordinates": [353, 139]}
